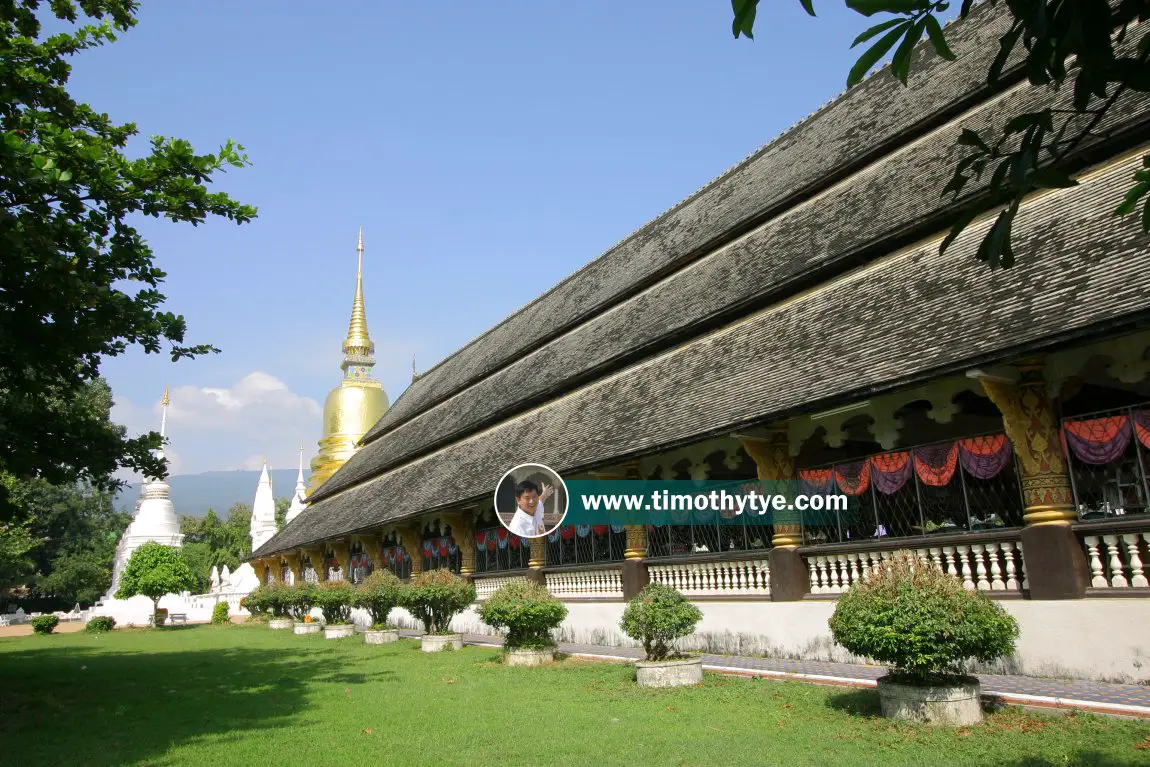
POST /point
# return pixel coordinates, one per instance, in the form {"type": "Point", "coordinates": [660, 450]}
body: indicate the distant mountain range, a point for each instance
{"type": "Point", "coordinates": [194, 494]}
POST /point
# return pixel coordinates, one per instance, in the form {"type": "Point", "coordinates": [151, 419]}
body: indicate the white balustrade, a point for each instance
{"type": "Point", "coordinates": [981, 566]}
{"type": "Point", "coordinates": [718, 578]}
{"type": "Point", "coordinates": [603, 584]}
{"type": "Point", "coordinates": [1116, 560]}
{"type": "Point", "coordinates": [485, 587]}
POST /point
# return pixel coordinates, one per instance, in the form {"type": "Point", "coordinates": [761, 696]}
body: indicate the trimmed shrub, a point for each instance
{"type": "Point", "coordinates": [100, 624]}
{"type": "Point", "coordinates": [301, 599]}
{"type": "Point", "coordinates": [435, 597]}
{"type": "Point", "coordinates": [44, 624]}
{"type": "Point", "coordinates": [334, 598]}
{"type": "Point", "coordinates": [220, 614]}
{"type": "Point", "coordinates": [273, 600]}
{"type": "Point", "coordinates": [528, 611]}
{"type": "Point", "coordinates": [657, 616]}
{"type": "Point", "coordinates": [379, 594]}
{"type": "Point", "coordinates": [921, 622]}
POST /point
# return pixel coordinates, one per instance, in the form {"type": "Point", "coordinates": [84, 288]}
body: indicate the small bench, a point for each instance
{"type": "Point", "coordinates": [178, 618]}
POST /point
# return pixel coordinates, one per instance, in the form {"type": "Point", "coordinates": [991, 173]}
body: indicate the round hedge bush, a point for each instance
{"type": "Point", "coordinates": [435, 597]}
{"type": "Point", "coordinates": [921, 623]}
{"type": "Point", "coordinates": [300, 599]}
{"type": "Point", "coordinates": [657, 616]}
{"type": "Point", "coordinates": [527, 611]}
{"type": "Point", "coordinates": [334, 599]}
{"type": "Point", "coordinates": [220, 614]}
{"type": "Point", "coordinates": [379, 594]}
{"type": "Point", "coordinates": [100, 624]}
{"type": "Point", "coordinates": [45, 624]}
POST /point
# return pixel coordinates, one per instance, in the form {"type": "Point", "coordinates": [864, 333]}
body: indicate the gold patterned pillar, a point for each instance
{"type": "Point", "coordinates": [1029, 421]}
{"type": "Point", "coordinates": [373, 546]}
{"type": "Point", "coordinates": [633, 574]}
{"type": "Point", "coordinates": [1055, 562]}
{"type": "Point", "coordinates": [410, 535]}
{"type": "Point", "coordinates": [463, 531]}
{"type": "Point", "coordinates": [772, 457]}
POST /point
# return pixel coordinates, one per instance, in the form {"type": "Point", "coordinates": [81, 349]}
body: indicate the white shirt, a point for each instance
{"type": "Point", "coordinates": [526, 526]}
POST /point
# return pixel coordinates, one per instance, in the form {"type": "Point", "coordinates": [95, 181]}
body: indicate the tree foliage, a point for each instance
{"type": "Point", "coordinates": [379, 594]}
{"type": "Point", "coordinates": [78, 282]}
{"type": "Point", "coordinates": [212, 542]}
{"type": "Point", "coordinates": [335, 600]}
{"type": "Point", "coordinates": [155, 570]}
{"type": "Point", "coordinates": [528, 611]}
{"type": "Point", "coordinates": [657, 616]}
{"type": "Point", "coordinates": [1095, 47]}
{"type": "Point", "coordinates": [435, 597]}
{"type": "Point", "coordinates": [921, 622]}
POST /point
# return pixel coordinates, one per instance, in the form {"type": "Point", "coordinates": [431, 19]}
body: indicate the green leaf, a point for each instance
{"type": "Point", "coordinates": [1146, 216]}
{"type": "Point", "coordinates": [1006, 44]}
{"type": "Point", "coordinates": [867, 61]}
{"type": "Point", "coordinates": [1130, 201]}
{"type": "Point", "coordinates": [938, 39]}
{"type": "Point", "coordinates": [876, 29]}
{"type": "Point", "coordinates": [744, 21]}
{"type": "Point", "coordinates": [808, 6]}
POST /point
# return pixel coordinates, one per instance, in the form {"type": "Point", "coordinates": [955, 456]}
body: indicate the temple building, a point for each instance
{"type": "Point", "coordinates": [797, 319]}
{"type": "Point", "coordinates": [263, 524]}
{"type": "Point", "coordinates": [358, 402]}
{"type": "Point", "coordinates": [155, 515]}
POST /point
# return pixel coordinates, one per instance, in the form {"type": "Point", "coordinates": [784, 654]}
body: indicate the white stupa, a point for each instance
{"type": "Point", "coordinates": [263, 525]}
{"type": "Point", "coordinates": [155, 518]}
{"type": "Point", "coordinates": [299, 500]}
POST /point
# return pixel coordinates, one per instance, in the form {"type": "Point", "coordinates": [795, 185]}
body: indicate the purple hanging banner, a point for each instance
{"type": "Point", "coordinates": [984, 457]}
{"type": "Point", "coordinates": [1098, 441]}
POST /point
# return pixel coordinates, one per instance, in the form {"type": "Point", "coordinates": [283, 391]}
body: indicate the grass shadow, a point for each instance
{"type": "Point", "coordinates": [856, 702]}
{"type": "Point", "coordinates": [81, 704]}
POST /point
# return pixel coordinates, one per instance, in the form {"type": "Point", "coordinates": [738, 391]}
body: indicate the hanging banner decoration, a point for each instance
{"type": "Point", "coordinates": [583, 530]}
{"type": "Point", "coordinates": [817, 481]}
{"type": "Point", "coordinates": [481, 539]}
{"type": "Point", "coordinates": [890, 471]}
{"type": "Point", "coordinates": [599, 530]}
{"type": "Point", "coordinates": [503, 537]}
{"type": "Point", "coordinates": [1142, 427]}
{"type": "Point", "coordinates": [617, 529]}
{"type": "Point", "coordinates": [853, 478]}
{"type": "Point", "coordinates": [935, 464]}
{"type": "Point", "coordinates": [1098, 441]}
{"type": "Point", "coordinates": [515, 541]}
{"type": "Point", "coordinates": [984, 457]}
{"type": "Point", "coordinates": [443, 546]}
{"type": "Point", "coordinates": [567, 532]}
{"type": "Point", "coordinates": [452, 548]}
{"type": "Point", "coordinates": [553, 536]}
{"type": "Point", "coordinates": [427, 549]}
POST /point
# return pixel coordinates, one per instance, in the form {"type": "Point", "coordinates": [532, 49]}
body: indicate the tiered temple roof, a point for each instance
{"type": "Point", "coordinates": [805, 276]}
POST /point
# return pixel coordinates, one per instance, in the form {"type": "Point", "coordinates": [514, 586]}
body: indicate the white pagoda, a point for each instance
{"type": "Point", "coordinates": [299, 499]}
{"type": "Point", "coordinates": [263, 525]}
{"type": "Point", "coordinates": [155, 518]}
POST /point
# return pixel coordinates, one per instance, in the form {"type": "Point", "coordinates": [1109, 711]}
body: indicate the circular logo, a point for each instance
{"type": "Point", "coordinates": [531, 500]}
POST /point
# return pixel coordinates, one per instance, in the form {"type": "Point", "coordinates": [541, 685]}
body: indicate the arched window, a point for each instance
{"type": "Point", "coordinates": [395, 557]}
{"type": "Point", "coordinates": [439, 550]}
{"type": "Point", "coordinates": [361, 565]}
{"type": "Point", "coordinates": [334, 568]}
{"type": "Point", "coordinates": [286, 575]}
{"type": "Point", "coordinates": [308, 569]}
{"type": "Point", "coordinates": [268, 579]}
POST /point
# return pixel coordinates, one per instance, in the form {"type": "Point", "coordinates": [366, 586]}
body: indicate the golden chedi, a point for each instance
{"type": "Point", "coordinates": [354, 406]}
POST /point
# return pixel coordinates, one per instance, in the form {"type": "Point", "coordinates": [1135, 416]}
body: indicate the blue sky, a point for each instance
{"type": "Point", "coordinates": [487, 149]}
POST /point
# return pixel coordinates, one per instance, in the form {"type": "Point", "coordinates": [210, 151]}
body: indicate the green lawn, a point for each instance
{"type": "Point", "coordinates": [245, 695]}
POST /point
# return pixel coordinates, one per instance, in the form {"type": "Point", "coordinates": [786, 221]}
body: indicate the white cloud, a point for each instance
{"type": "Point", "coordinates": [212, 428]}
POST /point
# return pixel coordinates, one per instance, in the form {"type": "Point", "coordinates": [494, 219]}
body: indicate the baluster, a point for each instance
{"type": "Point", "coordinates": [977, 553]}
{"type": "Point", "coordinates": [1134, 559]}
{"type": "Point", "coordinates": [935, 560]}
{"type": "Point", "coordinates": [1117, 578]}
{"type": "Point", "coordinates": [967, 582]}
{"type": "Point", "coordinates": [815, 576]}
{"type": "Point", "coordinates": [996, 583]}
{"type": "Point", "coordinates": [853, 561]}
{"type": "Point", "coordinates": [1097, 575]}
{"type": "Point", "coordinates": [949, 557]}
{"type": "Point", "coordinates": [1008, 557]}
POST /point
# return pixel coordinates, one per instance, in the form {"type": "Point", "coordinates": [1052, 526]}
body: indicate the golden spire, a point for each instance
{"type": "Point", "coordinates": [358, 343]}
{"type": "Point", "coordinates": [166, 400]}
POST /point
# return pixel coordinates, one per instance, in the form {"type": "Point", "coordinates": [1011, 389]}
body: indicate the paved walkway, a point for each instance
{"type": "Point", "coordinates": [1099, 697]}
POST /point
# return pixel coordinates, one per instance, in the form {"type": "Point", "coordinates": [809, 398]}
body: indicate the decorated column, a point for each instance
{"type": "Point", "coordinates": [537, 560]}
{"type": "Point", "coordinates": [633, 574]}
{"type": "Point", "coordinates": [772, 457]}
{"type": "Point", "coordinates": [410, 536]}
{"type": "Point", "coordinates": [373, 547]}
{"type": "Point", "coordinates": [463, 531]}
{"type": "Point", "coordinates": [1055, 562]}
